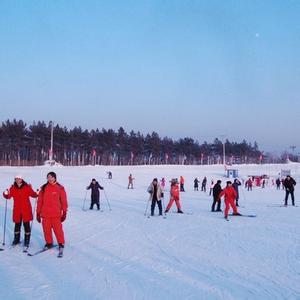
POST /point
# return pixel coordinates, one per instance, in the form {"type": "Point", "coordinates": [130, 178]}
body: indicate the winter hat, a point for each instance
{"type": "Point", "coordinates": [155, 179]}
{"type": "Point", "coordinates": [19, 176]}
{"type": "Point", "coordinates": [219, 181]}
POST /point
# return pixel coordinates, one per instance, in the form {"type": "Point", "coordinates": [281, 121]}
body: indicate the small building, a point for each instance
{"type": "Point", "coordinates": [285, 173]}
{"type": "Point", "coordinates": [232, 173]}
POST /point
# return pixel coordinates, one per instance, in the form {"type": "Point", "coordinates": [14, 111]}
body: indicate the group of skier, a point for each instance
{"type": "Point", "coordinates": [51, 209]}
{"type": "Point", "coordinates": [52, 204]}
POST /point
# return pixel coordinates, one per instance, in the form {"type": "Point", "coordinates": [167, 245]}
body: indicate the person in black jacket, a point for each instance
{"type": "Point", "coordinates": [289, 184]}
{"type": "Point", "coordinates": [196, 184]}
{"type": "Point", "coordinates": [235, 185]}
{"type": "Point", "coordinates": [203, 185]}
{"type": "Point", "coordinates": [217, 189]}
{"type": "Point", "coordinates": [95, 195]}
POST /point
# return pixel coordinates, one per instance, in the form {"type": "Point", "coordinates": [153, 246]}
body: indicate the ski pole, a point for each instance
{"type": "Point", "coordinates": [84, 200]}
{"type": "Point", "coordinates": [107, 199]}
{"type": "Point", "coordinates": [146, 207]}
{"type": "Point", "coordinates": [4, 229]}
{"type": "Point", "coordinates": [34, 208]}
{"type": "Point", "coordinates": [163, 205]}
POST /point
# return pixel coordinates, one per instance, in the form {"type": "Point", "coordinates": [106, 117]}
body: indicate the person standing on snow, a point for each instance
{"type": "Point", "coordinates": [20, 191]}
{"type": "Point", "coordinates": [211, 187]}
{"type": "Point", "coordinates": [203, 186]}
{"type": "Point", "coordinates": [289, 184]}
{"type": "Point", "coordinates": [52, 209]}
{"type": "Point", "coordinates": [217, 189]}
{"type": "Point", "coordinates": [95, 195]}
{"type": "Point", "coordinates": [278, 182]}
{"type": "Point", "coordinates": [163, 183]}
{"type": "Point", "coordinates": [174, 196]}
{"type": "Point", "coordinates": [235, 185]}
{"type": "Point", "coordinates": [230, 195]}
{"type": "Point", "coordinates": [181, 181]}
{"type": "Point", "coordinates": [155, 192]}
{"type": "Point", "coordinates": [249, 184]}
{"type": "Point", "coordinates": [196, 184]}
{"type": "Point", "coordinates": [130, 181]}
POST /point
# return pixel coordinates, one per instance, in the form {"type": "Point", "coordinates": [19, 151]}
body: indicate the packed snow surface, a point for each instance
{"type": "Point", "coordinates": [122, 254]}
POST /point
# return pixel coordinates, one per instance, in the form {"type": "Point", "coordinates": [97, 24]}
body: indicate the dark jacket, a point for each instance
{"type": "Point", "coordinates": [235, 185]}
{"type": "Point", "coordinates": [95, 195]}
{"type": "Point", "coordinates": [217, 189]}
{"type": "Point", "coordinates": [289, 184]}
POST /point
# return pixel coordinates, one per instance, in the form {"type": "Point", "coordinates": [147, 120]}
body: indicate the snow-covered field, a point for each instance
{"type": "Point", "coordinates": [121, 254]}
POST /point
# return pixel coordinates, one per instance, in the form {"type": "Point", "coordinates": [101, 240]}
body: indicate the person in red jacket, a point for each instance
{"type": "Point", "coordinates": [230, 195]}
{"type": "Point", "coordinates": [52, 209]}
{"type": "Point", "coordinates": [181, 184]}
{"type": "Point", "coordinates": [20, 191]}
{"type": "Point", "coordinates": [174, 196]}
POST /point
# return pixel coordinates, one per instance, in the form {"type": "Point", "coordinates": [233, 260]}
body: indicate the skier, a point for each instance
{"type": "Point", "coordinates": [109, 173]}
{"type": "Point", "coordinates": [181, 181]}
{"type": "Point", "coordinates": [278, 182]}
{"type": "Point", "coordinates": [230, 195]}
{"type": "Point", "coordinates": [174, 196]}
{"type": "Point", "coordinates": [217, 189]}
{"type": "Point", "coordinates": [196, 184]}
{"type": "Point", "coordinates": [235, 185]}
{"type": "Point", "coordinates": [155, 192]}
{"type": "Point", "coordinates": [52, 209]}
{"type": "Point", "coordinates": [289, 184]}
{"type": "Point", "coordinates": [163, 183]}
{"type": "Point", "coordinates": [130, 181]}
{"type": "Point", "coordinates": [249, 184]}
{"type": "Point", "coordinates": [95, 195]}
{"type": "Point", "coordinates": [211, 187]}
{"type": "Point", "coordinates": [20, 191]}
{"type": "Point", "coordinates": [203, 186]}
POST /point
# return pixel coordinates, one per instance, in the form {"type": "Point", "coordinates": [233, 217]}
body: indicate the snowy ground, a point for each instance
{"type": "Point", "coordinates": [121, 254]}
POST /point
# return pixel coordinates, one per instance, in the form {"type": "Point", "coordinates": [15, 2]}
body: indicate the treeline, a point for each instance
{"type": "Point", "coordinates": [22, 145]}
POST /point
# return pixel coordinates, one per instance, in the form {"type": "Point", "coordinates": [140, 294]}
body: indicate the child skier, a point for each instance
{"type": "Point", "coordinates": [130, 181]}
{"type": "Point", "coordinates": [230, 195]}
{"type": "Point", "coordinates": [174, 196]}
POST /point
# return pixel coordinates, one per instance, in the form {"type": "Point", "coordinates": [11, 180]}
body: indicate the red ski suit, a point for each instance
{"type": "Point", "coordinates": [230, 195]}
{"type": "Point", "coordinates": [22, 210]}
{"type": "Point", "coordinates": [174, 196]}
{"type": "Point", "coordinates": [52, 204]}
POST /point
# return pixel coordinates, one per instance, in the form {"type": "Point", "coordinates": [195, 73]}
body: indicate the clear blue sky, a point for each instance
{"type": "Point", "coordinates": [180, 68]}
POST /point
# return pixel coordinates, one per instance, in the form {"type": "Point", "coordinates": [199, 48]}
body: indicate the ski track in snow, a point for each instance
{"type": "Point", "coordinates": [122, 254]}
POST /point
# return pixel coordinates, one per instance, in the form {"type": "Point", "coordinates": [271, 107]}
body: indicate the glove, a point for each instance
{"type": "Point", "coordinates": [63, 216]}
{"type": "Point", "coordinates": [38, 218]}
{"type": "Point", "coordinates": [6, 192]}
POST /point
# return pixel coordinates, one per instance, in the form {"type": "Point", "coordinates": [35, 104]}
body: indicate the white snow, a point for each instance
{"type": "Point", "coordinates": [121, 254]}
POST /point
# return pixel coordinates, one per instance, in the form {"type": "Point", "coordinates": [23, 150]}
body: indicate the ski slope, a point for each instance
{"type": "Point", "coordinates": [121, 254]}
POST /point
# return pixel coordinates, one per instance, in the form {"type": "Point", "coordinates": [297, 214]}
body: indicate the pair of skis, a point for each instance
{"type": "Point", "coordinates": [25, 250]}
{"type": "Point", "coordinates": [59, 255]}
{"type": "Point", "coordinates": [241, 215]}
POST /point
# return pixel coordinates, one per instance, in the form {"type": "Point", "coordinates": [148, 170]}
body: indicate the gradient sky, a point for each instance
{"type": "Point", "coordinates": [181, 68]}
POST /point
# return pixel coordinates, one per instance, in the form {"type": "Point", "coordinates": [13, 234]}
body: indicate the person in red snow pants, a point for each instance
{"type": "Point", "coordinates": [174, 196]}
{"type": "Point", "coordinates": [52, 209]}
{"type": "Point", "coordinates": [230, 195]}
{"type": "Point", "coordinates": [20, 191]}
